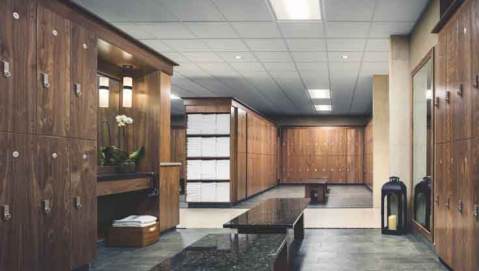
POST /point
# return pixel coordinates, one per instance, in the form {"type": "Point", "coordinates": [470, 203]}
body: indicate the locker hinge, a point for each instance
{"type": "Point", "coordinates": [476, 81]}
{"type": "Point", "coordinates": [6, 214]}
{"type": "Point", "coordinates": [77, 89]}
{"type": "Point", "coordinates": [78, 204]}
{"type": "Point", "coordinates": [47, 209]}
{"type": "Point", "coordinates": [45, 81]}
{"type": "Point", "coordinates": [6, 69]}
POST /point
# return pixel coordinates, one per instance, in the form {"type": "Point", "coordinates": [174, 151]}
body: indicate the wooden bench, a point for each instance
{"type": "Point", "coordinates": [275, 215]}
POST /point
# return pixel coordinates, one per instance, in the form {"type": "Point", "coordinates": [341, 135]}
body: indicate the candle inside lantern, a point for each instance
{"type": "Point", "coordinates": [392, 222]}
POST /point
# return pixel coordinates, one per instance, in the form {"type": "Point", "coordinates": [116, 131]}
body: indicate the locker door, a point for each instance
{"type": "Point", "coordinates": [15, 230]}
{"type": "Point", "coordinates": [439, 200]}
{"type": "Point", "coordinates": [83, 99]}
{"type": "Point", "coordinates": [17, 74]}
{"type": "Point", "coordinates": [82, 157]}
{"type": "Point", "coordinates": [53, 91]}
{"type": "Point", "coordinates": [475, 69]}
{"type": "Point", "coordinates": [51, 183]}
{"type": "Point", "coordinates": [461, 92]}
{"type": "Point", "coordinates": [442, 103]}
{"type": "Point", "coordinates": [473, 221]}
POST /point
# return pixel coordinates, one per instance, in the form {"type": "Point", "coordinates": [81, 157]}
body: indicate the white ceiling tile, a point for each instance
{"type": "Point", "coordinates": [280, 66]}
{"type": "Point", "coordinates": [376, 57]}
{"type": "Point", "coordinates": [311, 56]}
{"type": "Point", "coordinates": [273, 56]}
{"type": "Point", "coordinates": [266, 44]}
{"type": "Point", "coordinates": [226, 44]}
{"type": "Point", "coordinates": [315, 80]}
{"type": "Point", "coordinates": [346, 44]}
{"type": "Point", "coordinates": [176, 57]}
{"type": "Point", "coordinates": [170, 31]}
{"type": "Point", "coordinates": [124, 11]}
{"type": "Point", "coordinates": [244, 10]}
{"type": "Point", "coordinates": [218, 69]}
{"type": "Point", "coordinates": [372, 68]}
{"type": "Point", "coordinates": [232, 56]}
{"type": "Point", "coordinates": [378, 45]}
{"type": "Point", "coordinates": [339, 56]}
{"type": "Point", "coordinates": [404, 10]}
{"type": "Point", "coordinates": [386, 29]}
{"type": "Point", "coordinates": [257, 29]}
{"type": "Point", "coordinates": [301, 29]}
{"type": "Point", "coordinates": [306, 44]}
{"type": "Point", "coordinates": [202, 57]}
{"type": "Point", "coordinates": [212, 29]}
{"type": "Point", "coordinates": [193, 10]}
{"type": "Point", "coordinates": [187, 45]}
{"type": "Point", "coordinates": [136, 30]}
{"type": "Point", "coordinates": [248, 66]}
{"type": "Point", "coordinates": [319, 67]}
{"type": "Point", "coordinates": [347, 29]}
{"type": "Point", "coordinates": [157, 45]}
{"type": "Point", "coordinates": [344, 69]}
{"type": "Point", "coordinates": [349, 10]}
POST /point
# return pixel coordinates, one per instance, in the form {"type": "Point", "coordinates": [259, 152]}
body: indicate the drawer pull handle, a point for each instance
{"type": "Point", "coordinates": [460, 92]}
{"type": "Point", "coordinates": [47, 209]}
{"type": "Point", "coordinates": [45, 81]}
{"type": "Point", "coordinates": [77, 89]}
{"type": "Point", "coordinates": [78, 204]}
{"type": "Point", "coordinates": [6, 69]}
{"type": "Point", "coordinates": [6, 214]}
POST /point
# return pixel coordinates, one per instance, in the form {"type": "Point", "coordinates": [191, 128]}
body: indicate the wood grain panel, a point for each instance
{"type": "Point", "coordinates": [105, 188]}
{"type": "Point", "coordinates": [475, 69]}
{"type": "Point", "coordinates": [17, 105]}
{"type": "Point", "coordinates": [53, 99]}
{"type": "Point", "coordinates": [82, 157]}
{"type": "Point", "coordinates": [169, 197]}
{"type": "Point", "coordinates": [51, 183]}
{"type": "Point", "coordinates": [83, 105]}
{"type": "Point", "coordinates": [241, 135]}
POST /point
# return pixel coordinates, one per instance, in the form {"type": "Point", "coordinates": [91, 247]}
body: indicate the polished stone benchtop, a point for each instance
{"type": "Point", "coordinates": [215, 252]}
{"type": "Point", "coordinates": [271, 213]}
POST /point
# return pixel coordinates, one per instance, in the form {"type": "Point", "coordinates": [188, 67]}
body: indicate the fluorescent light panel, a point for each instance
{"type": "Point", "coordinates": [296, 9]}
{"type": "Point", "coordinates": [323, 107]}
{"type": "Point", "coordinates": [320, 93]}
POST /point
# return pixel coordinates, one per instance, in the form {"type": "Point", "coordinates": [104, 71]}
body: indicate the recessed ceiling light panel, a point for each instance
{"type": "Point", "coordinates": [323, 107]}
{"type": "Point", "coordinates": [174, 97]}
{"type": "Point", "coordinates": [320, 93]}
{"type": "Point", "coordinates": [296, 9]}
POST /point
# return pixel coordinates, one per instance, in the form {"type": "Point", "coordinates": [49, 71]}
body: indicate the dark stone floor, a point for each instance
{"type": "Point", "coordinates": [325, 250]}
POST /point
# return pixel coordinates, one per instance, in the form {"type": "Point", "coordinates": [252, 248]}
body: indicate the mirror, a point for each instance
{"type": "Point", "coordinates": [108, 131]}
{"type": "Point", "coordinates": [422, 104]}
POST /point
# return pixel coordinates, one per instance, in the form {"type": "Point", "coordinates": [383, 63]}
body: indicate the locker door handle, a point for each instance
{"type": "Point", "coordinates": [77, 89]}
{"type": "Point", "coordinates": [476, 211]}
{"type": "Point", "coordinates": [6, 214]}
{"type": "Point", "coordinates": [47, 209]}
{"type": "Point", "coordinates": [45, 81]}
{"type": "Point", "coordinates": [460, 206]}
{"type": "Point", "coordinates": [460, 92]}
{"type": "Point", "coordinates": [448, 96]}
{"type": "Point", "coordinates": [447, 204]}
{"type": "Point", "coordinates": [476, 81]}
{"type": "Point", "coordinates": [436, 101]}
{"type": "Point", "coordinates": [78, 204]}
{"type": "Point", "coordinates": [6, 69]}
{"type": "Point", "coordinates": [436, 200]}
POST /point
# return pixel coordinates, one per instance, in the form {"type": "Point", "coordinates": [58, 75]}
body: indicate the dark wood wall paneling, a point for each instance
{"type": "Point", "coordinates": [48, 132]}
{"type": "Point", "coordinates": [456, 231]}
{"type": "Point", "coordinates": [368, 154]}
{"type": "Point", "coordinates": [178, 148]}
{"type": "Point", "coordinates": [332, 153]}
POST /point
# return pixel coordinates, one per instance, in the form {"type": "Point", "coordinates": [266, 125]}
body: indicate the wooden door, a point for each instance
{"type": "Point", "coordinates": [53, 72]}
{"type": "Point", "coordinates": [83, 97]}
{"type": "Point", "coordinates": [442, 102]}
{"type": "Point", "coordinates": [82, 201]}
{"type": "Point", "coordinates": [17, 63]}
{"type": "Point", "coordinates": [17, 246]}
{"type": "Point", "coordinates": [461, 90]}
{"type": "Point", "coordinates": [51, 183]}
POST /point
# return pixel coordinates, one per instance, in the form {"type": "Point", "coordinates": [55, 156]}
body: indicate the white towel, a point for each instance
{"type": "Point", "coordinates": [141, 219]}
{"type": "Point", "coordinates": [132, 225]}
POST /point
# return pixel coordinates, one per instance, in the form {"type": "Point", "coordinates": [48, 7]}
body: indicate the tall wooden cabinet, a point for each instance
{"type": "Point", "coordinates": [456, 168]}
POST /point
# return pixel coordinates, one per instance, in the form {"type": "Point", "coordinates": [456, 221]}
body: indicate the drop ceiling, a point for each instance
{"type": "Point", "coordinates": [237, 48]}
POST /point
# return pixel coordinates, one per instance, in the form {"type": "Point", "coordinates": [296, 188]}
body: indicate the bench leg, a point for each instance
{"type": "Point", "coordinates": [299, 228]}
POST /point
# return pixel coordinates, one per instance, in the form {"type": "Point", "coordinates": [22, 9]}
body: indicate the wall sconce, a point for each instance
{"type": "Point", "coordinates": [104, 92]}
{"type": "Point", "coordinates": [127, 91]}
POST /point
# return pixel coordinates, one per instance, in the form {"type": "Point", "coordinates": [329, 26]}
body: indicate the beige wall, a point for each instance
{"type": "Point", "coordinates": [380, 135]}
{"type": "Point", "coordinates": [421, 39]}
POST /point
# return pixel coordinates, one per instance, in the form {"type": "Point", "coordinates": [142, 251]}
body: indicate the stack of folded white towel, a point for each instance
{"type": "Point", "coordinates": [135, 221]}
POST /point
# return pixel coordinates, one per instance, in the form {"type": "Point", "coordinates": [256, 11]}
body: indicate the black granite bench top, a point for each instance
{"type": "Point", "coordinates": [271, 213]}
{"type": "Point", "coordinates": [215, 252]}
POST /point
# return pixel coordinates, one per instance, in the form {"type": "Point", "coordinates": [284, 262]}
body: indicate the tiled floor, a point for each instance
{"type": "Point", "coordinates": [325, 250]}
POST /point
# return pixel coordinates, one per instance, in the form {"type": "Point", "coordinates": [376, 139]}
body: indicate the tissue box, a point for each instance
{"type": "Point", "coordinates": [133, 237]}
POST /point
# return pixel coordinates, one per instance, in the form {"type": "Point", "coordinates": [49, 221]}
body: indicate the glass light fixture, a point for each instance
{"type": "Point", "coordinates": [104, 92]}
{"type": "Point", "coordinates": [127, 96]}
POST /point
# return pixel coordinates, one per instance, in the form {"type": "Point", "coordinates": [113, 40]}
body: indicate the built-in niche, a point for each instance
{"type": "Point", "coordinates": [422, 138]}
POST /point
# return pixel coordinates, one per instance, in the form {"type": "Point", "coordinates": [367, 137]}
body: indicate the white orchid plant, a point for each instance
{"type": "Point", "coordinates": [123, 120]}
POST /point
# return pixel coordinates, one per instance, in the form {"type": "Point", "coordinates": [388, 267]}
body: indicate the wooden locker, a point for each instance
{"type": "Point", "coordinates": [169, 197]}
{"type": "Point", "coordinates": [475, 69]}
{"type": "Point", "coordinates": [242, 148]}
{"type": "Point", "coordinates": [461, 92]}
{"type": "Point", "coordinates": [82, 202]}
{"type": "Point", "coordinates": [51, 183]}
{"type": "Point", "coordinates": [322, 141]}
{"type": "Point", "coordinates": [17, 65]}
{"type": "Point", "coordinates": [53, 66]}
{"type": "Point", "coordinates": [473, 221]}
{"type": "Point", "coordinates": [83, 97]}
{"type": "Point", "coordinates": [16, 230]}
{"type": "Point", "coordinates": [442, 102]}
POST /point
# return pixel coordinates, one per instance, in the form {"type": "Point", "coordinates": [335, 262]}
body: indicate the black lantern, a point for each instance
{"type": "Point", "coordinates": [394, 207]}
{"type": "Point", "coordinates": [422, 202]}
